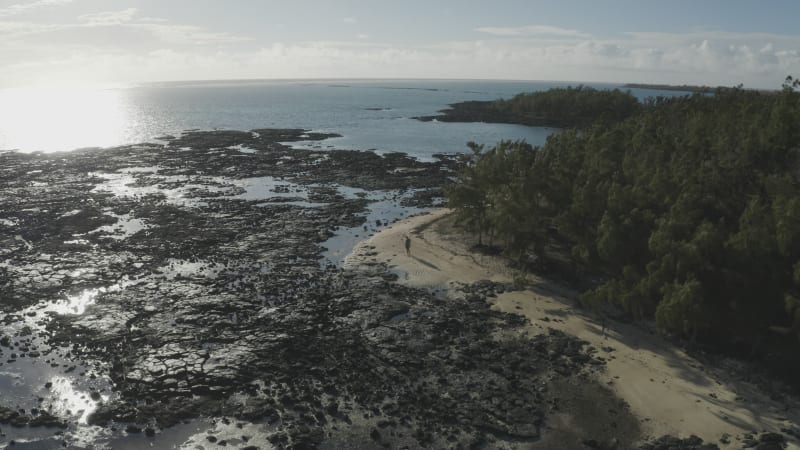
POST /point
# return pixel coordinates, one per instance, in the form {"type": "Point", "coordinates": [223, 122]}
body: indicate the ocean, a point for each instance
{"type": "Point", "coordinates": [369, 114]}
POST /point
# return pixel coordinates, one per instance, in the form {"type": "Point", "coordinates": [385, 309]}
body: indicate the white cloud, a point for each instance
{"type": "Point", "coordinates": [189, 34]}
{"type": "Point", "coordinates": [21, 8]}
{"type": "Point", "coordinates": [160, 28]}
{"type": "Point", "coordinates": [533, 30]}
{"type": "Point", "coordinates": [705, 61]}
{"type": "Point", "coordinates": [157, 29]}
{"type": "Point", "coordinates": [10, 30]}
{"type": "Point", "coordinates": [350, 20]}
{"type": "Point", "coordinates": [124, 46]}
{"type": "Point", "coordinates": [109, 17]}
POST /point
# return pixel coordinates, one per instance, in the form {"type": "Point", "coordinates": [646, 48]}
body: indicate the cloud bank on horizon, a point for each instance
{"type": "Point", "coordinates": [47, 42]}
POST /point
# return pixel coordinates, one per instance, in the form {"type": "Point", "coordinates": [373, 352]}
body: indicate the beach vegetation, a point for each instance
{"type": "Point", "coordinates": [685, 211]}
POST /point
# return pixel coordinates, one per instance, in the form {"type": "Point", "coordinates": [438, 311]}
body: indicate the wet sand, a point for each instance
{"type": "Point", "coordinates": [668, 391]}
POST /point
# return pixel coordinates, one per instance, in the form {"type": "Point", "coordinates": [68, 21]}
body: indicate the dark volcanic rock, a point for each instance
{"type": "Point", "coordinates": [673, 443]}
{"type": "Point", "coordinates": [20, 419]}
{"type": "Point", "coordinates": [336, 343]}
{"type": "Point", "coordinates": [209, 304]}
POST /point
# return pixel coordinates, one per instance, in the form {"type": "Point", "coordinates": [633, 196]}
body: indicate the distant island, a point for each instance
{"type": "Point", "coordinates": [691, 88]}
{"type": "Point", "coordinates": [570, 107]}
{"type": "Point", "coordinates": [560, 108]}
{"type": "Point", "coordinates": [670, 87]}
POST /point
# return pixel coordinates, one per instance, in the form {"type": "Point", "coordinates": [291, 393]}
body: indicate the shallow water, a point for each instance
{"type": "Point", "coordinates": [72, 389]}
{"type": "Point", "coordinates": [54, 381]}
{"type": "Point", "coordinates": [385, 209]}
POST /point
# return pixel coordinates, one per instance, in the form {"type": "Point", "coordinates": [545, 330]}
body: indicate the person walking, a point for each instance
{"type": "Point", "coordinates": [408, 245]}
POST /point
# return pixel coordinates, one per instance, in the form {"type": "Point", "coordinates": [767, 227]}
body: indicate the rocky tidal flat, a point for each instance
{"type": "Point", "coordinates": [191, 293]}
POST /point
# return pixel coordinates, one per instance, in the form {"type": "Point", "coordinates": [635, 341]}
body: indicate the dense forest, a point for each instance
{"type": "Point", "coordinates": [561, 107]}
{"type": "Point", "coordinates": [686, 212]}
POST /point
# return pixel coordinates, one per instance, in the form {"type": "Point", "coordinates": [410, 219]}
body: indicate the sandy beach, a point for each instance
{"type": "Point", "coordinates": [670, 392]}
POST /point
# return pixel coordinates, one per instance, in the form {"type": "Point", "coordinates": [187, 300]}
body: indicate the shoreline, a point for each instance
{"type": "Point", "coordinates": [668, 391]}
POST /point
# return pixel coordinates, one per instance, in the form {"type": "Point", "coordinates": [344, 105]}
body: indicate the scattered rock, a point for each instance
{"type": "Point", "coordinates": [223, 308]}
{"type": "Point", "coordinates": [674, 443]}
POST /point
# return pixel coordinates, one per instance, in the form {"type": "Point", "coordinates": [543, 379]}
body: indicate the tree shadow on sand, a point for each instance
{"type": "Point", "coordinates": [635, 336]}
{"type": "Point", "coordinates": [425, 263]}
{"type": "Point", "coordinates": [760, 413]}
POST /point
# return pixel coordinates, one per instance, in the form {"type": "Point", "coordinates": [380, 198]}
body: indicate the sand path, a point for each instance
{"type": "Point", "coordinates": [669, 391]}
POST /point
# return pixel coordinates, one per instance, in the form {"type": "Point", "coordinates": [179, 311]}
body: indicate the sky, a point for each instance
{"type": "Point", "coordinates": [122, 42]}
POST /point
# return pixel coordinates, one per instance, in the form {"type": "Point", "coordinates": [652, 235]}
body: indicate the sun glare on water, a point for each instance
{"type": "Point", "coordinates": [58, 119]}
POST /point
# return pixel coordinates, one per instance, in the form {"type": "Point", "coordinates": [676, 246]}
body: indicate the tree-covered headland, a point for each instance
{"type": "Point", "coordinates": [684, 210]}
{"type": "Point", "coordinates": [561, 107]}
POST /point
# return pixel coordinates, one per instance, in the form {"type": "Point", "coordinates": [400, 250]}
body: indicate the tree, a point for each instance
{"type": "Point", "coordinates": [685, 210]}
